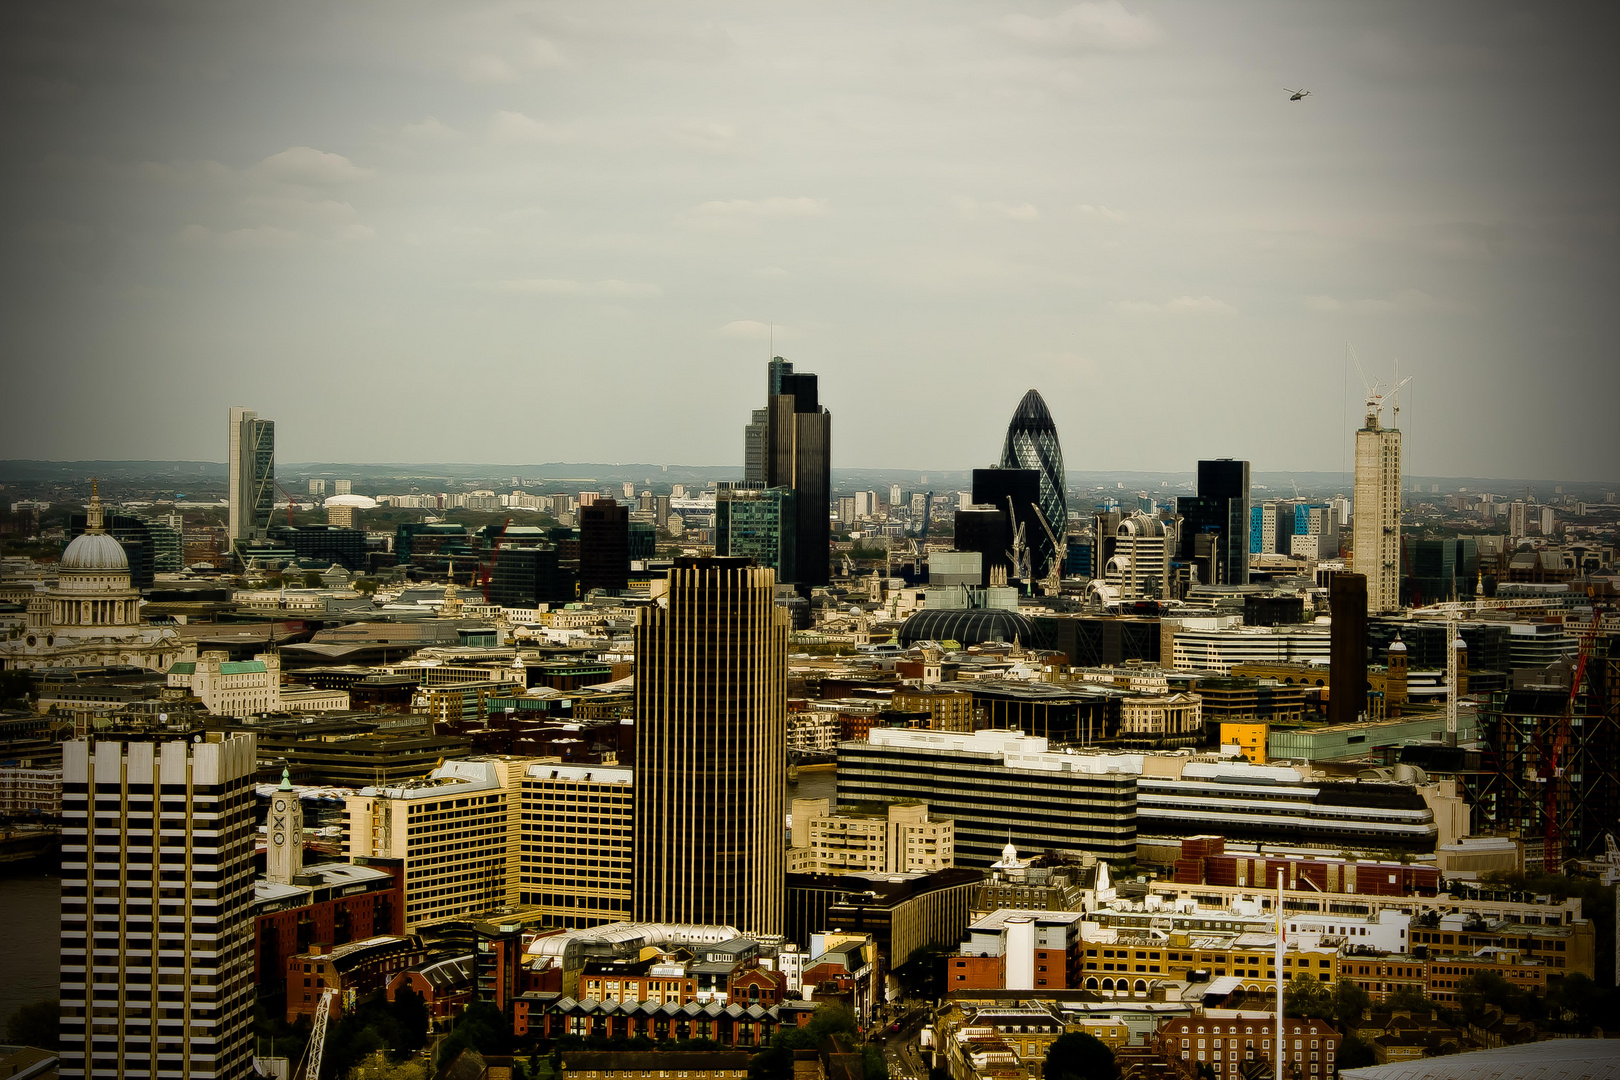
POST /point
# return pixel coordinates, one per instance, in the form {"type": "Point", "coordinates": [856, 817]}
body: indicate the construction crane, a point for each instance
{"type": "Point", "coordinates": [1452, 611]}
{"type": "Point", "coordinates": [928, 510]}
{"type": "Point", "coordinates": [1054, 570]}
{"type": "Point", "coordinates": [486, 566]}
{"type": "Point", "coordinates": [1552, 850]}
{"type": "Point", "coordinates": [290, 503]}
{"type": "Point", "coordinates": [1552, 744]}
{"type": "Point", "coordinates": [1020, 550]}
{"type": "Point", "coordinates": [317, 1038]}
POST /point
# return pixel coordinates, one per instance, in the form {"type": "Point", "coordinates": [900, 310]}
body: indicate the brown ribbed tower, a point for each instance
{"type": "Point", "coordinates": [711, 749]}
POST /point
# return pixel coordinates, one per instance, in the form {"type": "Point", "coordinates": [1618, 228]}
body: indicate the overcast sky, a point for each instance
{"type": "Point", "coordinates": [561, 231]}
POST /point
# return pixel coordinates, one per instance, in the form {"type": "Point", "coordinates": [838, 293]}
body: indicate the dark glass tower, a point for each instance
{"type": "Point", "coordinates": [992, 534]}
{"type": "Point", "coordinates": [798, 455]}
{"type": "Point", "coordinates": [1032, 443]}
{"type": "Point", "coordinates": [711, 735]}
{"type": "Point", "coordinates": [1220, 514]}
{"type": "Point", "coordinates": [604, 547]}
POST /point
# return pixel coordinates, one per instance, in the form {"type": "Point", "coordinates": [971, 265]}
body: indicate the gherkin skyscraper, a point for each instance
{"type": "Point", "coordinates": [1032, 443]}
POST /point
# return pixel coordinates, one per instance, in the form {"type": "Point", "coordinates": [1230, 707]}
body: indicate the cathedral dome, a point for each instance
{"type": "Point", "coordinates": [94, 551]}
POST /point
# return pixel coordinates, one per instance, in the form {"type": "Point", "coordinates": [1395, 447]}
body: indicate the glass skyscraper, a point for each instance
{"type": "Point", "coordinates": [1221, 512]}
{"type": "Point", "coordinates": [798, 455]}
{"type": "Point", "coordinates": [1032, 443]}
{"type": "Point", "coordinates": [252, 468]}
{"type": "Point", "coordinates": [759, 524]}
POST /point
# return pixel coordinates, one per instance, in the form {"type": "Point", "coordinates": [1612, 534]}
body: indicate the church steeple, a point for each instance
{"type": "Point", "coordinates": [93, 517]}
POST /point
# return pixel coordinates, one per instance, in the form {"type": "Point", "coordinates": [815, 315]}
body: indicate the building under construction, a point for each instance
{"type": "Point", "coordinates": [1551, 760]}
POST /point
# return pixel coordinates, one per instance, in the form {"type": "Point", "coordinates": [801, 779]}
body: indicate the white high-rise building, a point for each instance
{"type": "Point", "coordinates": [1516, 518]}
{"type": "Point", "coordinates": [251, 465]}
{"type": "Point", "coordinates": [894, 494]}
{"type": "Point", "coordinates": [157, 917]}
{"type": "Point", "coordinates": [1377, 531]}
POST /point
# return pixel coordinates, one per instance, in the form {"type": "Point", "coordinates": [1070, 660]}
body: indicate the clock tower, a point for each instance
{"type": "Point", "coordinates": [285, 858]}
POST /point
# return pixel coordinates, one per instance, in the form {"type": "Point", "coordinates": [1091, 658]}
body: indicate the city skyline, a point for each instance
{"type": "Point", "coordinates": [490, 218]}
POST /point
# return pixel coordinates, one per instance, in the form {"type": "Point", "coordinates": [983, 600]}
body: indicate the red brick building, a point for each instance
{"type": "Point", "coordinates": [330, 904]}
{"type": "Point", "coordinates": [360, 966]}
{"type": "Point", "coordinates": [1229, 1042]}
{"type": "Point", "coordinates": [444, 983]}
{"type": "Point", "coordinates": [1205, 861]}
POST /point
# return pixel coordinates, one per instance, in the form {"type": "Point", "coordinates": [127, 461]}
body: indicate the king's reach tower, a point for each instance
{"type": "Point", "coordinates": [1377, 522]}
{"type": "Point", "coordinates": [711, 736]}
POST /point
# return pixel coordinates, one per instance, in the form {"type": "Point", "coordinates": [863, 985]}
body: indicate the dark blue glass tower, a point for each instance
{"type": "Point", "coordinates": [1032, 443]}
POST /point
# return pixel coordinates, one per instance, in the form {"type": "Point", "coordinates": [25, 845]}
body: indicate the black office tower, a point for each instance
{"type": "Point", "coordinates": [997, 488]}
{"type": "Point", "coordinates": [1220, 514]}
{"type": "Point", "coordinates": [798, 455]}
{"type": "Point", "coordinates": [604, 547]}
{"type": "Point", "coordinates": [525, 576]}
{"type": "Point", "coordinates": [1347, 648]}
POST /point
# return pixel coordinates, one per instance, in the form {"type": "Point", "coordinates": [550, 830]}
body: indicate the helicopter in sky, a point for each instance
{"type": "Point", "coordinates": [1298, 94]}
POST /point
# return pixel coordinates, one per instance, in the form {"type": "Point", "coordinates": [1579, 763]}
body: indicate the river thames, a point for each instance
{"type": "Point", "coordinates": [30, 912]}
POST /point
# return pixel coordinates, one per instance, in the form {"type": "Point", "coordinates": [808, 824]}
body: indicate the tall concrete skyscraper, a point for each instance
{"type": "Point", "coordinates": [1377, 522]}
{"type": "Point", "coordinates": [1032, 443]}
{"type": "Point", "coordinates": [157, 917]}
{"type": "Point", "coordinates": [711, 733]}
{"type": "Point", "coordinates": [798, 455]}
{"type": "Point", "coordinates": [251, 465]}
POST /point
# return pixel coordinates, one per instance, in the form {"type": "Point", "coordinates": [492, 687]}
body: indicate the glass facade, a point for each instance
{"type": "Point", "coordinates": [798, 455]}
{"type": "Point", "coordinates": [1221, 508]}
{"type": "Point", "coordinates": [758, 524]}
{"type": "Point", "coordinates": [1032, 443]}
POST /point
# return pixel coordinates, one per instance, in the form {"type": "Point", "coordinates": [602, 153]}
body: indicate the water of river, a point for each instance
{"type": "Point", "coordinates": [815, 782]}
{"type": "Point", "coordinates": [30, 913]}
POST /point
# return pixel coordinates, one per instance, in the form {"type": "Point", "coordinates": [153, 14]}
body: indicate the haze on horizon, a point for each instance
{"type": "Point", "coordinates": [564, 231]}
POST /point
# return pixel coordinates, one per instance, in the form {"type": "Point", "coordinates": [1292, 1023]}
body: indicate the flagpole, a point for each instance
{"type": "Point", "coordinates": [1281, 943]}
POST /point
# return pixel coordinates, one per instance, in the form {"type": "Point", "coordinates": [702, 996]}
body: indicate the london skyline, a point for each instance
{"type": "Point", "coordinates": [571, 230]}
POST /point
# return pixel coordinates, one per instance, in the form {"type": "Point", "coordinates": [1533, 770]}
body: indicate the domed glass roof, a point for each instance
{"type": "Point", "coordinates": [970, 626]}
{"type": "Point", "coordinates": [94, 551]}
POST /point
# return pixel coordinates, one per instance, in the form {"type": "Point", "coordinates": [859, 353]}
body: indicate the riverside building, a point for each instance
{"type": "Point", "coordinates": [157, 893]}
{"type": "Point", "coordinates": [455, 831]}
{"type": "Point", "coordinates": [574, 859]}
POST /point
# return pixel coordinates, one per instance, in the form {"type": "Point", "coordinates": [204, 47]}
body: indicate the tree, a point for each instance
{"type": "Point", "coordinates": [1410, 998]}
{"type": "Point", "coordinates": [480, 1027]}
{"type": "Point", "coordinates": [1079, 1056]}
{"type": "Point", "coordinates": [1306, 997]}
{"type": "Point", "coordinates": [378, 1067]}
{"type": "Point", "coordinates": [775, 1062]}
{"type": "Point", "coordinates": [1353, 1053]}
{"type": "Point", "coordinates": [36, 1024]}
{"type": "Point", "coordinates": [410, 1011]}
{"type": "Point", "coordinates": [1349, 1001]}
{"type": "Point", "coordinates": [312, 580]}
{"type": "Point", "coordinates": [16, 689]}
